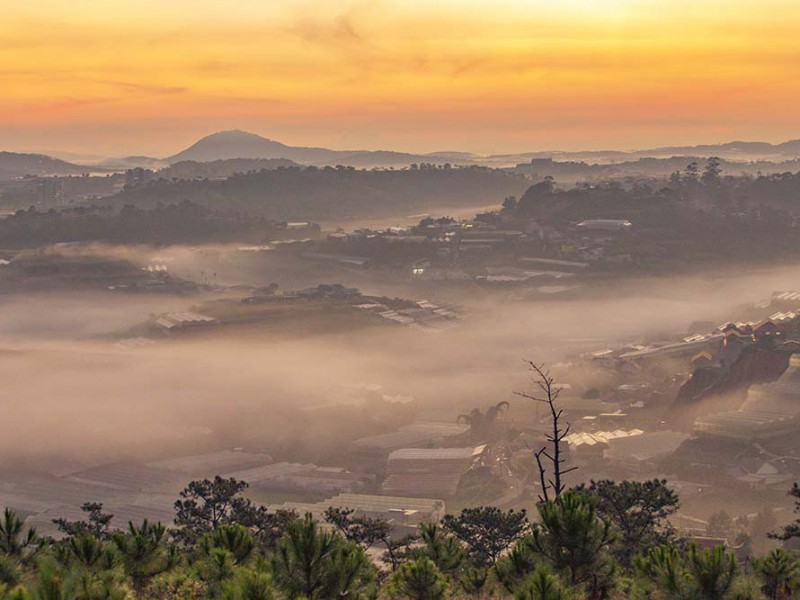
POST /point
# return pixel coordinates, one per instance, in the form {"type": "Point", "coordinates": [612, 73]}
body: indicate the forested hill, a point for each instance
{"type": "Point", "coordinates": [13, 164]}
{"type": "Point", "coordinates": [343, 192]}
{"type": "Point", "coordinates": [221, 169]}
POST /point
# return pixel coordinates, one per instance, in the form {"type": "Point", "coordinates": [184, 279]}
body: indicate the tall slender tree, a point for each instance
{"type": "Point", "coordinates": [552, 478]}
{"type": "Point", "coordinates": [780, 573]}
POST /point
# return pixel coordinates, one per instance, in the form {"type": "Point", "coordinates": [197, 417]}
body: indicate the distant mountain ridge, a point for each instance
{"type": "Point", "coordinates": [16, 164]}
{"type": "Point", "coordinates": [226, 145]}
{"type": "Point", "coordinates": [236, 144]}
{"type": "Point", "coordinates": [733, 151]}
{"type": "Point", "coordinates": [240, 144]}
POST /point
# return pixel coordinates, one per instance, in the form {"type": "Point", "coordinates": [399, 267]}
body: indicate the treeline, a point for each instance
{"type": "Point", "coordinates": [572, 170]}
{"type": "Point", "coordinates": [302, 194]}
{"type": "Point", "coordinates": [691, 191]}
{"type": "Point", "coordinates": [184, 222]}
{"type": "Point", "coordinates": [698, 216]}
{"type": "Point", "coordinates": [604, 540]}
{"type": "Point", "coordinates": [219, 169]}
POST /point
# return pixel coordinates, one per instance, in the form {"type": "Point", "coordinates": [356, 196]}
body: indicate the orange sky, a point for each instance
{"type": "Point", "coordinates": [151, 76]}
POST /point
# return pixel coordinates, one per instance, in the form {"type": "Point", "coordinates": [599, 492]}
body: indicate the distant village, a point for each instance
{"type": "Point", "coordinates": [714, 410]}
{"type": "Point", "coordinates": [716, 413]}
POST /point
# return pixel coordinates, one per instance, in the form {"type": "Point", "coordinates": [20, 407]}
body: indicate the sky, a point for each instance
{"type": "Point", "coordinates": [149, 77]}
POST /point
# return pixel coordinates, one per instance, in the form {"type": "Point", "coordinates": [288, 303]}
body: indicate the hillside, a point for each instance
{"type": "Point", "coordinates": [318, 194]}
{"type": "Point", "coordinates": [221, 169]}
{"type": "Point", "coordinates": [567, 172]}
{"type": "Point", "coordinates": [733, 151]}
{"type": "Point", "coordinates": [13, 164]}
{"type": "Point", "coordinates": [241, 144]}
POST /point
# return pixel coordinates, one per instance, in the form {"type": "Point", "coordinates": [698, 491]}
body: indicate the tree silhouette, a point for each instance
{"type": "Point", "coordinates": [316, 564]}
{"type": "Point", "coordinates": [418, 579]}
{"type": "Point", "coordinates": [780, 573]}
{"type": "Point", "coordinates": [97, 522]}
{"type": "Point", "coordinates": [541, 585]}
{"type": "Point", "coordinates": [368, 531]}
{"type": "Point", "coordinates": [486, 531]}
{"type": "Point", "coordinates": [549, 393]}
{"type": "Point", "coordinates": [638, 512]}
{"type": "Point", "coordinates": [15, 539]}
{"type": "Point", "coordinates": [708, 574]}
{"type": "Point", "coordinates": [574, 540]}
{"type": "Point", "coordinates": [145, 551]}
{"type": "Point", "coordinates": [235, 539]}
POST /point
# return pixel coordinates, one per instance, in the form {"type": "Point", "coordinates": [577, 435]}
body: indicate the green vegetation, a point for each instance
{"type": "Point", "coordinates": [302, 194]}
{"type": "Point", "coordinates": [604, 540]}
{"type": "Point", "coordinates": [697, 216]}
{"type": "Point", "coordinates": [181, 222]}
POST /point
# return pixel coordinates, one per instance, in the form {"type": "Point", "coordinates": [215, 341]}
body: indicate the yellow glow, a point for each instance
{"type": "Point", "coordinates": [149, 76]}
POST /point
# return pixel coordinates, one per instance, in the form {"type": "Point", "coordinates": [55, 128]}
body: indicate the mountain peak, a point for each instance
{"type": "Point", "coordinates": [229, 144]}
{"type": "Point", "coordinates": [234, 134]}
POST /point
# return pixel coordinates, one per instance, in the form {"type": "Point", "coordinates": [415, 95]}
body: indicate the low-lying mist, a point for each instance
{"type": "Point", "coordinates": [71, 396]}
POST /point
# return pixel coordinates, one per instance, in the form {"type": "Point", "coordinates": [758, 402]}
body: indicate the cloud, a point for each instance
{"type": "Point", "coordinates": [341, 30]}
{"type": "Point", "coordinates": [144, 88]}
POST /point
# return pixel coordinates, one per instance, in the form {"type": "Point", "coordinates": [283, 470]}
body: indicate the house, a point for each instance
{"type": "Point", "coordinates": [765, 328]}
{"type": "Point", "coordinates": [765, 475]}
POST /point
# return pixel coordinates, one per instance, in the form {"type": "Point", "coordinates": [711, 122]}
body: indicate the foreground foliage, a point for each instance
{"type": "Point", "coordinates": [604, 540]}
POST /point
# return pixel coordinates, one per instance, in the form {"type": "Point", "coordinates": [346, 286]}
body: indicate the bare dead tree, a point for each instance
{"type": "Point", "coordinates": [548, 394]}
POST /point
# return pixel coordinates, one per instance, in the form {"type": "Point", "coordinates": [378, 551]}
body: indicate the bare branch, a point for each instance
{"type": "Point", "coordinates": [546, 384]}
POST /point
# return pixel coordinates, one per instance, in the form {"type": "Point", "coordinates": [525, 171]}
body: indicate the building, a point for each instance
{"type": "Point", "coordinates": [642, 453]}
{"type": "Point", "coordinates": [687, 348]}
{"type": "Point", "coordinates": [403, 513]}
{"type": "Point", "coordinates": [429, 472]}
{"type": "Point", "coordinates": [182, 321]}
{"type": "Point", "coordinates": [423, 434]}
{"type": "Point", "coordinates": [593, 445]}
{"type": "Point", "coordinates": [550, 263]}
{"type": "Point", "coordinates": [334, 290]}
{"type": "Point", "coordinates": [223, 462]}
{"type": "Point", "coordinates": [605, 225]}
{"type": "Point", "coordinates": [295, 477]}
{"type": "Point", "coordinates": [770, 410]}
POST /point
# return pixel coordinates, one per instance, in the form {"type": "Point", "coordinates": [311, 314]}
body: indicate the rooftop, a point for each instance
{"type": "Point", "coordinates": [213, 463]}
{"type": "Point", "coordinates": [416, 434]}
{"type": "Point", "coordinates": [600, 437]}
{"type": "Point", "coordinates": [436, 453]}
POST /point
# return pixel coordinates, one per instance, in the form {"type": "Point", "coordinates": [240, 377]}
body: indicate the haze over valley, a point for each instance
{"type": "Point", "coordinates": [376, 299]}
